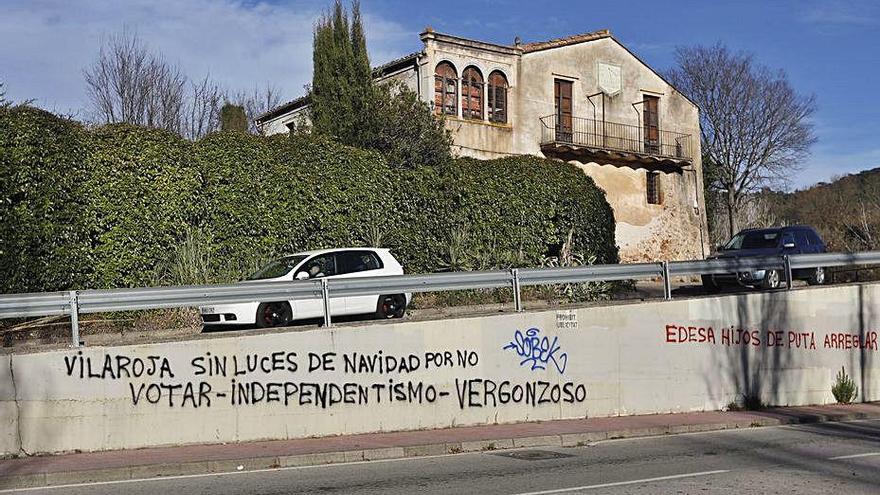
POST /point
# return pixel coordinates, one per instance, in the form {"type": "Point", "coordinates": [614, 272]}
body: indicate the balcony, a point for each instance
{"type": "Point", "coordinates": [611, 142]}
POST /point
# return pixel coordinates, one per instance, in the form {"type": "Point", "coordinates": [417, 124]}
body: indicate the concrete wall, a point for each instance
{"type": "Point", "coordinates": [686, 355]}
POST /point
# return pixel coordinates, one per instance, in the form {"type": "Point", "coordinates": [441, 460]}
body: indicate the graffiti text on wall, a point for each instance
{"type": "Point", "coordinates": [793, 339]}
{"type": "Point", "coordinates": [536, 351]}
{"type": "Point", "coordinates": [321, 380]}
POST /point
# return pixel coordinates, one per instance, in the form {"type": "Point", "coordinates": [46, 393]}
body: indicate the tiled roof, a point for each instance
{"type": "Point", "coordinates": [568, 40]}
{"type": "Point", "coordinates": [305, 99]}
{"type": "Point", "coordinates": [377, 71]}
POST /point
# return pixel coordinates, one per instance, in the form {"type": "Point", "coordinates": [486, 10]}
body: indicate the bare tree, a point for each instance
{"type": "Point", "coordinates": [755, 210]}
{"type": "Point", "coordinates": [203, 108]}
{"type": "Point", "coordinates": [257, 102]}
{"type": "Point", "coordinates": [3, 101]}
{"type": "Point", "coordinates": [755, 128]}
{"type": "Point", "coordinates": [128, 83]}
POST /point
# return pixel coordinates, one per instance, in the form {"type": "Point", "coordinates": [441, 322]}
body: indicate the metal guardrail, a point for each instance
{"type": "Point", "coordinates": [73, 303]}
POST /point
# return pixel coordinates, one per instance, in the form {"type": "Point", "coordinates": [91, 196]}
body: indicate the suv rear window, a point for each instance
{"type": "Point", "coordinates": [754, 240]}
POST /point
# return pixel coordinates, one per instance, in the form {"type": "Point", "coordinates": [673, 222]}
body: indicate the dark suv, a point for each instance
{"type": "Point", "coordinates": [776, 241]}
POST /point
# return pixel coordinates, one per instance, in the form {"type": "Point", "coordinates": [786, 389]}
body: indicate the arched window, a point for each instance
{"type": "Point", "coordinates": [497, 104]}
{"type": "Point", "coordinates": [445, 89]}
{"type": "Point", "coordinates": [472, 94]}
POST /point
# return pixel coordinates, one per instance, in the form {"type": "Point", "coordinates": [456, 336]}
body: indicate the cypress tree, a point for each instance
{"type": "Point", "coordinates": [347, 105]}
{"type": "Point", "coordinates": [341, 84]}
{"type": "Point", "coordinates": [362, 70]}
{"type": "Point", "coordinates": [233, 118]}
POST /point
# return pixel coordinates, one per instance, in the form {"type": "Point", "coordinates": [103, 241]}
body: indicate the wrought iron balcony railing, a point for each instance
{"type": "Point", "coordinates": [613, 136]}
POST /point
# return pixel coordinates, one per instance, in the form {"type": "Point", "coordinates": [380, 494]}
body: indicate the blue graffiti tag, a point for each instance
{"type": "Point", "coordinates": [537, 351]}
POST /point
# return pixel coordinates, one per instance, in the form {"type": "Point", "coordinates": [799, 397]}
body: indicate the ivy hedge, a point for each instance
{"type": "Point", "coordinates": [141, 191]}
{"type": "Point", "coordinates": [121, 205]}
{"type": "Point", "coordinates": [267, 196]}
{"type": "Point", "coordinates": [43, 244]}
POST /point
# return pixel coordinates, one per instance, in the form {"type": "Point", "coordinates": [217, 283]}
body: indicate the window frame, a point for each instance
{"type": "Point", "coordinates": [653, 178]}
{"type": "Point", "coordinates": [472, 82]}
{"type": "Point", "coordinates": [493, 108]}
{"type": "Point", "coordinates": [651, 123]}
{"type": "Point", "coordinates": [564, 119]}
{"type": "Point", "coordinates": [445, 81]}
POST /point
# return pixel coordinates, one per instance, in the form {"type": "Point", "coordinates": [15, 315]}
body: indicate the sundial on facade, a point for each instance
{"type": "Point", "coordinates": [609, 78]}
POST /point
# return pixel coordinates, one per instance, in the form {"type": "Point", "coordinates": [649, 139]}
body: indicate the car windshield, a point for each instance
{"type": "Point", "coordinates": [278, 268]}
{"type": "Point", "coordinates": [760, 239]}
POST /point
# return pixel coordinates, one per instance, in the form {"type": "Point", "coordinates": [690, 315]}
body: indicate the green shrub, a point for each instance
{"type": "Point", "coordinates": [127, 206]}
{"type": "Point", "coordinates": [142, 192]}
{"type": "Point", "coordinates": [243, 207]}
{"type": "Point", "coordinates": [345, 193]}
{"type": "Point", "coordinates": [477, 215]}
{"type": "Point", "coordinates": [844, 389]}
{"type": "Point", "coordinates": [268, 196]}
{"type": "Point", "coordinates": [42, 165]}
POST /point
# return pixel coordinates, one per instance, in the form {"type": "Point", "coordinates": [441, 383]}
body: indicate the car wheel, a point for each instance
{"type": "Point", "coordinates": [818, 277]}
{"type": "Point", "coordinates": [709, 284]}
{"type": "Point", "coordinates": [771, 280]}
{"type": "Point", "coordinates": [391, 306]}
{"type": "Point", "coordinates": [274, 314]}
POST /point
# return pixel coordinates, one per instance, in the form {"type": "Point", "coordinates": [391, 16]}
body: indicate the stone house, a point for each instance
{"type": "Point", "coordinates": [585, 99]}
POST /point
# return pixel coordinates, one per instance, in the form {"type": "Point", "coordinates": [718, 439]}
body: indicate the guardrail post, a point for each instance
{"type": "Point", "coordinates": [74, 318]}
{"type": "Point", "coordinates": [667, 284]}
{"type": "Point", "coordinates": [325, 295]}
{"type": "Point", "coordinates": [786, 263]}
{"type": "Point", "coordinates": [517, 296]}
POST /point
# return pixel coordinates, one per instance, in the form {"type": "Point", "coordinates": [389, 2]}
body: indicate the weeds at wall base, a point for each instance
{"type": "Point", "coordinates": [746, 403]}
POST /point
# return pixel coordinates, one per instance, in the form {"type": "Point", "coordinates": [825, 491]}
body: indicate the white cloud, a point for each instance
{"type": "Point", "coordinates": [842, 12]}
{"type": "Point", "coordinates": [47, 43]}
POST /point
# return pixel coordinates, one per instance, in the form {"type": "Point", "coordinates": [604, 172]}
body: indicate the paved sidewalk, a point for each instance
{"type": "Point", "coordinates": [200, 459]}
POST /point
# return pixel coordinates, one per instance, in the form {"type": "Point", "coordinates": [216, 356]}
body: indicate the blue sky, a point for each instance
{"type": "Point", "coordinates": [828, 48]}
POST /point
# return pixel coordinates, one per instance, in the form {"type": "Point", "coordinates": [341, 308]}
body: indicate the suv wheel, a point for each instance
{"type": "Point", "coordinates": [771, 280]}
{"type": "Point", "coordinates": [818, 277]}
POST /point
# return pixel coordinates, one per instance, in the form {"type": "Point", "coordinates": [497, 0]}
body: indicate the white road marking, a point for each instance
{"type": "Point", "coordinates": [854, 456]}
{"type": "Point", "coordinates": [624, 483]}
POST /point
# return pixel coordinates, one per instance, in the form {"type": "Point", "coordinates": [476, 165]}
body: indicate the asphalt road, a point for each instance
{"type": "Point", "coordinates": [828, 458]}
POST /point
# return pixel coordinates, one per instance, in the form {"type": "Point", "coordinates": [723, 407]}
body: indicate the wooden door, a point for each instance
{"type": "Point", "coordinates": [562, 98]}
{"type": "Point", "coordinates": [651, 119]}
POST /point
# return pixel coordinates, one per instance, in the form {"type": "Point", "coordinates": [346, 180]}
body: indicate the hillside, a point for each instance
{"type": "Point", "coordinates": [846, 212]}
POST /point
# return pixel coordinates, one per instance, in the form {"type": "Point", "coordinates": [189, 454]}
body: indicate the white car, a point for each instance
{"type": "Point", "coordinates": [329, 263]}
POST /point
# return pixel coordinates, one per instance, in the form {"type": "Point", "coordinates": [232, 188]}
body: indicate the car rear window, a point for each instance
{"type": "Point", "coordinates": [359, 261]}
{"type": "Point", "coordinates": [754, 240]}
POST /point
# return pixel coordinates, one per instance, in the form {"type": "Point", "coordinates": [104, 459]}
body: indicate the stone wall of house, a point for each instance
{"type": "Point", "coordinates": [647, 232]}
